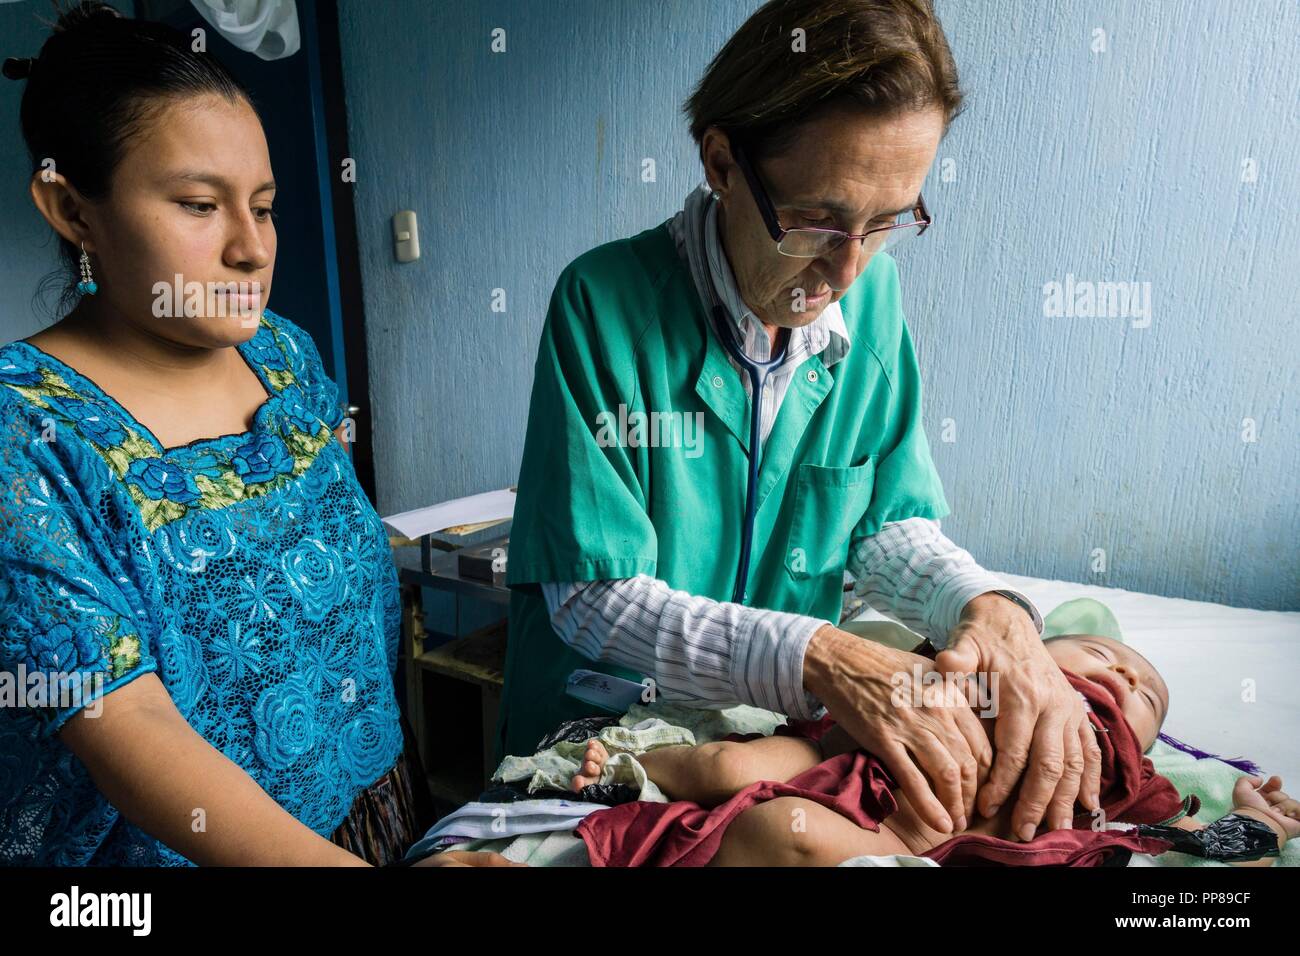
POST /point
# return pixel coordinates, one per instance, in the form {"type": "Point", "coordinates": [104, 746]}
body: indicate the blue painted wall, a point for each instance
{"type": "Point", "coordinates": [1071, 434]}
{"type": "Point", "coordinates": [28, 250]}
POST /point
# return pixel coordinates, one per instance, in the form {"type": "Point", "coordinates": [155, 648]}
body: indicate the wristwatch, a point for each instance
{"type": "Point", "coordinates": [1028, 608]}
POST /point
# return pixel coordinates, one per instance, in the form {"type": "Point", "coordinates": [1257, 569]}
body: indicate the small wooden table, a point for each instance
{"type": "Point", "coordinates": [453, 690]}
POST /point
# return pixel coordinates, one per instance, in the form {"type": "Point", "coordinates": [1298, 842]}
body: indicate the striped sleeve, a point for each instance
{"type": "Point", "coordinates": [910, 571]}
{"type": "Point", "coordinates": [700, 652]}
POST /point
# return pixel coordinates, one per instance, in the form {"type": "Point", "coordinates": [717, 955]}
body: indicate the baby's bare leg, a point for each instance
{"type": "Point", "coordinates": [792, 831]}
{"type": "Point", "coordinates": [709, 774]}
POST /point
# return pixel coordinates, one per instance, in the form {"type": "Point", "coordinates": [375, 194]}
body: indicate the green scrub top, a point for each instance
{"type": "Point", "coordinates": [626, 333]}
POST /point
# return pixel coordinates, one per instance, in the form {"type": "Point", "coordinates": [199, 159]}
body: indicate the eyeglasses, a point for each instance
{"type": "Point", "coordinates": [811, 242]}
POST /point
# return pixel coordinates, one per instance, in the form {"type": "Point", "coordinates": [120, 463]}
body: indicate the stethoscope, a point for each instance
{"type": "Point", "coordinates": [758, 373]}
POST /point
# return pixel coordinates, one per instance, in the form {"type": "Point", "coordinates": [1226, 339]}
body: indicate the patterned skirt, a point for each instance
{"type": "Point", "coordinates": [392, 813]}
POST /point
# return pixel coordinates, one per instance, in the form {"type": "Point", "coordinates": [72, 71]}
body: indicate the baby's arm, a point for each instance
{"type": "Point", "coordinates": [1268, 804]}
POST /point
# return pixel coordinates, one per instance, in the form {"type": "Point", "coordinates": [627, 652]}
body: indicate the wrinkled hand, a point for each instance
{"type": "Point", "coordinates": [1041, 725]}
{"type": "Point", "coordinates": [940, 738]}
{"type": "Point", "coordinates": [466, 858]}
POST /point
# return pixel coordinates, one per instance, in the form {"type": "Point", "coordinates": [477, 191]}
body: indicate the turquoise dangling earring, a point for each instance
{"type": "Point", "coordinates": [87, 285]}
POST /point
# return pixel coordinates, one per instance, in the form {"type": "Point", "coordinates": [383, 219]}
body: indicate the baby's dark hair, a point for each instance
{"type": "Point", "coordinates": [98, 81]}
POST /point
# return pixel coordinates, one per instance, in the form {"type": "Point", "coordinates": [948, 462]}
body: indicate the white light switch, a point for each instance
{"type": "Point", "coordinates": [406, 236]}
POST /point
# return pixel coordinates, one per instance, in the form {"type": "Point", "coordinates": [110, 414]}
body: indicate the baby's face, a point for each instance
{"type": "Point", "coordinates": [1126, 675]}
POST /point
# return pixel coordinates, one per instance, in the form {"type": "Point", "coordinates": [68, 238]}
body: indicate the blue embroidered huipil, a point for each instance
{"type": "Point", "coordinates": [249, 572]}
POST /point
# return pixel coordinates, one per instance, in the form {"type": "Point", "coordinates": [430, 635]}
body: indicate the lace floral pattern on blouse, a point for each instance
{"type": "Point", "coordinates": [249, 572]}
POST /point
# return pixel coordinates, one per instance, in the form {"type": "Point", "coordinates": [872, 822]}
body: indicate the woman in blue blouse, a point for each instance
{"type": "Point", "coordinates": [198, 607]}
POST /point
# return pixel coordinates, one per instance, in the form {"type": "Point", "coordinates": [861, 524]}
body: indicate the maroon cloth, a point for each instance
{"type": "Point", "coordinates": [1131, 792]}
{"type": "Point", "coordinates": [859, 787]}
{"type": "Point", "coordinates": [682, 833]}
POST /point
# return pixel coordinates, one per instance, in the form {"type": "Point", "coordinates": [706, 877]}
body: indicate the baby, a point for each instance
{"type": "Point", "coordinates": [1129, 696]}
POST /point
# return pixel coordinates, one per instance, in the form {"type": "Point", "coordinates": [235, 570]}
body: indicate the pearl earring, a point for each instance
{"type": "Point", "coordinates": [87, 285]}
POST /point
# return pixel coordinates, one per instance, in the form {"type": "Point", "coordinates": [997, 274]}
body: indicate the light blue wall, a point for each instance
{"type": "Point", "coordinates": [28, 251]}
{"type": "Point", "coordinates": [1072, 434]}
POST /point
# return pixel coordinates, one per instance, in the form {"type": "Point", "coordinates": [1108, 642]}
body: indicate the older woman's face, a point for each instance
{"type": "Point", "coordinates": [844, 172]}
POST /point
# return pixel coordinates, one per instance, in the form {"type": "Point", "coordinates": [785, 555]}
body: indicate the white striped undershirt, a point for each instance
{"type": "Point", "coordinates": [715, 654]}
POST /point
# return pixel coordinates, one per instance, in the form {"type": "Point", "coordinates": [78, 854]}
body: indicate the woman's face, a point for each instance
{"type": "Point", "coordinates": [191, 198]}
{"type": "Point", "coordinates": [844, 172]}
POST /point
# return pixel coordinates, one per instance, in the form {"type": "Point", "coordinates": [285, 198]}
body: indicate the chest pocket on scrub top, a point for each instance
{"type": "Point", "coordinates": [828, 503]}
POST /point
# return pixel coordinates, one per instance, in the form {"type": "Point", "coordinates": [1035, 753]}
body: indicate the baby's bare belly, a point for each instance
{"type": "Point", "coordinates": [919, 837]}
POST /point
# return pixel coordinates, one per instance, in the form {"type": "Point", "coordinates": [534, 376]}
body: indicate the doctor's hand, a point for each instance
{"type": "Point", "coordinates": [1041, 725]}
{"type": "Point", "coordinates": [918, 729]}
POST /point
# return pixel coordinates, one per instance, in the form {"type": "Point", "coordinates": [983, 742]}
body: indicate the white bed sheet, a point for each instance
{"type": "Point", "coordinates": [1206, 652]}
{"type": "Point", "coordinates": [1210, 655]}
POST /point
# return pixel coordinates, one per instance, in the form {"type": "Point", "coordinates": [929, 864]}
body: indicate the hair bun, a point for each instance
{"type": "Point", "coordinates": [18, 67]}
{"type": "Point", "coordinates": [88, 13]}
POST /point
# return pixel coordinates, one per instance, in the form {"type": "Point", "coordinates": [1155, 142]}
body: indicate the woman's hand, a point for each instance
{"type": "Point", "coordinates": [916, 731]}
{"type": "Point", "coordinates": [466, 858]}
{"type": "Point", "coordinates": [1041, 724]}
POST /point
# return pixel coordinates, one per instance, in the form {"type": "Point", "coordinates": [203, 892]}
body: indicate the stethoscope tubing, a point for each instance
{"type": "Point", "coordinates": [758, 373]}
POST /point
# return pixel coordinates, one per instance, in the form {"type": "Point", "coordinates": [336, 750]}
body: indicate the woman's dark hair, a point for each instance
{"type": "Point", "coordinates": [97, 82]}
{"type": "Point", "coordinates": [880, 57]}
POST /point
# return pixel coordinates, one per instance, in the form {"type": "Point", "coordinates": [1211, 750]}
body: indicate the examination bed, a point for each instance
{"type": "Point", "coordinates": [1231, 674]}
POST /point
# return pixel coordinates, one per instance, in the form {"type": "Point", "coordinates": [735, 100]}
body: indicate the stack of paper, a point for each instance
{"type": "Point", "coordinates": [476, 510]}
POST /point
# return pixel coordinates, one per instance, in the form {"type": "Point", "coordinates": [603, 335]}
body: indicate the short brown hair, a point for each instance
{"type": "Point", "coordinates": [881, 57]}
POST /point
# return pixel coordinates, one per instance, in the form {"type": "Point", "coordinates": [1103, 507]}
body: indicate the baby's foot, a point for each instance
{"type": "Point", "coordinates": [592, 763]}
